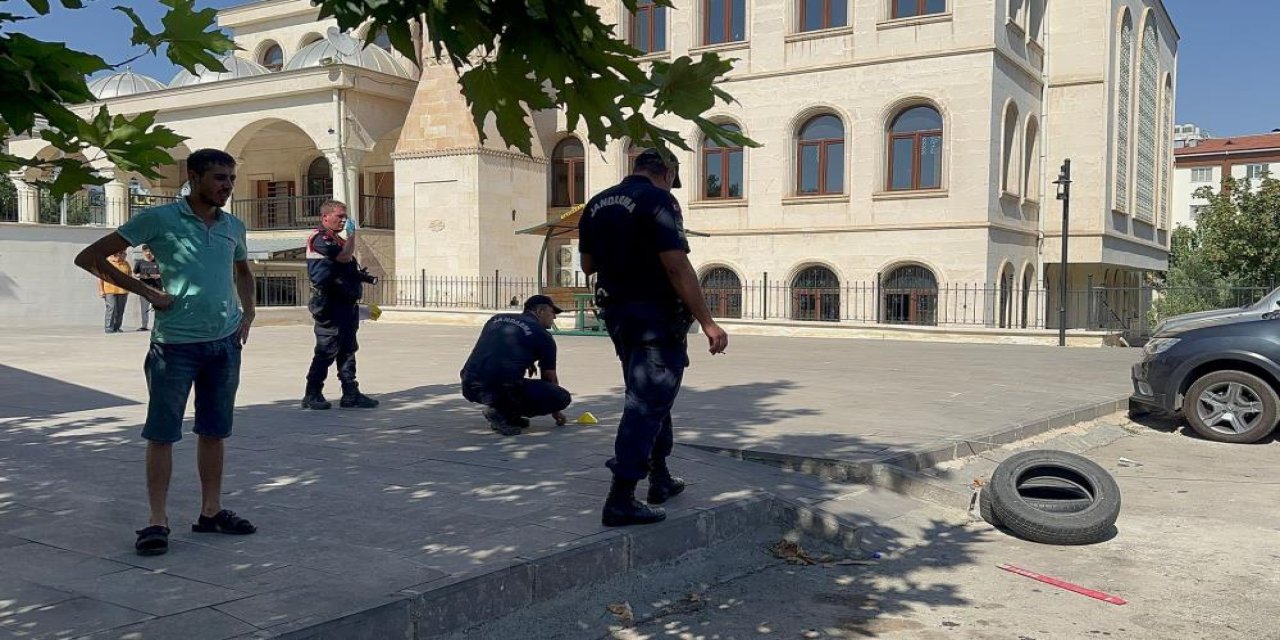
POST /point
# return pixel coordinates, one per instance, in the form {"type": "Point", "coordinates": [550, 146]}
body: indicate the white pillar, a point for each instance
{"type": "Point", "coordinates": [116, 193]}
{"type": "Point", "coordinates": [345, 164]}
{"type": "Point", "coordinates": [28, 206]}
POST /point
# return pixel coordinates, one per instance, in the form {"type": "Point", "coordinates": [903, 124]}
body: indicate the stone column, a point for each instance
{"type": "Point", "coordinates": [116, 193]}
{"type": "Point", "coordinates": [345, 164]}
{"type": "Point", "coordinates": [28, 205]}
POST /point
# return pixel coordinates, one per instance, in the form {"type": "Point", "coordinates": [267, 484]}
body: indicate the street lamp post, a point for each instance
{"type": "Point", "coordinates": [1064, 194]}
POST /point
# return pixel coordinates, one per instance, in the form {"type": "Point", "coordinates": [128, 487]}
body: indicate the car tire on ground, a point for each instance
{"type": "Point", "coordinates": [1055, 495]}
{"type": "Point", "coordinates": [1231, 406]}
{"type": "Point", "coordinates": [1023, 516]}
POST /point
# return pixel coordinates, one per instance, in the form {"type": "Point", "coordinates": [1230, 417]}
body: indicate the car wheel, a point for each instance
{"type": "Point", "coordinates": [1231, 406]}
{"type": "Point", "coordinates": [1071, 474]}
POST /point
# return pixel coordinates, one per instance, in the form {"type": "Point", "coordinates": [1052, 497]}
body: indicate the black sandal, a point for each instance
{"type": "Point", "coordinates": [152, 541]}
{"type": "Point", "coordinates": [225, 521]}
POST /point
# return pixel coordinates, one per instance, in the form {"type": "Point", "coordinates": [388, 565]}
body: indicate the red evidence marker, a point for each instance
{"type": "Point", "coordinates": [1063, 584]}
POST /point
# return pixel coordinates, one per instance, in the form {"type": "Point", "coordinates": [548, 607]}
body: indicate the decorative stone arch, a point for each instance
{"type": "Point", "coordinates": [1009, 151]}
{"type": "Point", "coordinates": [722, 289]}
{"type": "Point", "coordinates": [815, 288]}
{"type": "Point", "coordinates": [889, 115]}
{"type": "Point", "coordinates": [1027, 283]}
{"type": "Point", "coordinates": [241, 139]}
{"type": "Point", "coordinates": [260, 51]}
{"type": "Point", "coordinates": [909, 292]}
{"type": "Point", "coordinates": [1032, 168]}
{"type": "Point", "coordinates": [1005, 284]}
{"type": "Point", "coordinates": [1122, 139]}
{"type": "Point", "coordinates": [309, 37]}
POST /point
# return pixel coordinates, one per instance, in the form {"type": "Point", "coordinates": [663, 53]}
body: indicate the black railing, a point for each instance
{"type": "Point", "coordinates": [141, 202]}
{"type": "Point", "coordinates": [378, 212]}
{"type": "Point", "coordinates": [285, 212]}
{"type": "Point", "coordinates": [280, 289]}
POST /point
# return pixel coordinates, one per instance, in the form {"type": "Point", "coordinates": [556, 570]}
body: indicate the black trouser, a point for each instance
{"type": "Point", "coordinates": [335, 327]}
{"type": "Point", "coordinates": [524, 398]}
{"type": "Point", "coordinates": [114, 313]}
{"type": "Point", "coordinates": [652, 342]}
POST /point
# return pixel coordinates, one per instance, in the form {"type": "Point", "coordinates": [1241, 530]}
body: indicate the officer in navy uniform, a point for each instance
{"type": "Point", "coordinates": [511, 345]}
{"type": "Point", "coordinates": [632, 237]}
{"type": "Point", "coordinates": [337, 283]}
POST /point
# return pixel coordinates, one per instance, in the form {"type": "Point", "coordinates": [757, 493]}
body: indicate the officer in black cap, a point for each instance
{"type": "Point", "coordinates": [511, 345]}
{"type": "Point", "coordinates": [632, 237]}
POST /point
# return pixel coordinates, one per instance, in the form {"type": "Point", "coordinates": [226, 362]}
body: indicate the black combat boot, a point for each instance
{"type": "Point", "coordinates": [352, 398]}
{"type": "Point", "coordinates": [313, 399]}
{"type": "Point", "coordinates": [621, 507]}
{"type": "Point", "coordinates": [500, 423]}
{"type": "Point", "coordinates": [662, 485]}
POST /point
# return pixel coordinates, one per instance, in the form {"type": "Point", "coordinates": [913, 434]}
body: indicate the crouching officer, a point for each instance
{"type": "Point", "coordinates": [632, 237]}
{"type": "Point", "coordinates": [494, 375]}
{"type": "Point", "coordinates": [337, 282]}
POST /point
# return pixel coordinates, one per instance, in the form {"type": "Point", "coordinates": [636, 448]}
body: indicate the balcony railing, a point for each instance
{"type": "Point", "coordinates": [378, 212]}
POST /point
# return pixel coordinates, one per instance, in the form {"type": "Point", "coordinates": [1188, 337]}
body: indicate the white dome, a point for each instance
{"type": "Point", "coordinates": [333, 48]}
{"type": "Point", "coordinates": [123, 83]}
{"type": "Point", "coordinates": [236, 68]}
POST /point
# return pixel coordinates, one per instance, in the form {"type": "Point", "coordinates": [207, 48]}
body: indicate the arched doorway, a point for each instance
{"type": "Point", "coordinates": [911, 296]}
{"type": "Point", "coordinates": [815, 295]}
{"type": "Point", "coordinates": [1028, 279]}
{"type": "Point", "coordinates": [723, 292]}
{"type": "Point", "coordinates": [1006, 296]}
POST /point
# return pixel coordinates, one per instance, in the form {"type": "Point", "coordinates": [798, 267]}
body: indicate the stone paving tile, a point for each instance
{"type": "Point", "coordinates": [68, 619]}
{"type": "Point", "coordinates": [152, 592]}
{"type": "Point", "coordinates": [198, 624]}
{"type": "Point", "coordinates": [53, 566]}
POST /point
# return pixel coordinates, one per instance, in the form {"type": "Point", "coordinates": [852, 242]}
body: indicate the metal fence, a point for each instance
{"type": "Point", "coordinates": [1130, 311]}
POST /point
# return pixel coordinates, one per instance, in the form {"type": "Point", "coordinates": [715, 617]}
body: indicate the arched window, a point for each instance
{"type": "Point", "coordinates": [1166, 149]}
{"type": "Point", "coordinates": [649, 27]}
{"type": "Point", "coordinates": [1009, 151]}
{"type": "Point", "coordinates": [820, 156]}
{"type": "Point", "coordinates": [911, 296]}
{"type": "Point", "coordinates": [815, 295]}
{"type": "Point", "coordinates": [724, 21]}
{"type": "Point", "coordinates": [723, 292]}
{"type": "Point", "coordinates": [1006, 296]}
{"type": "Point", "coordinates": [629, 158]}
{"type": "Point", "coordinates": [914, 8]}
{"type": "Point", "coordinates": [722, 168]}
{"type": "Point", "coordinates": [568, 174]}
{"type": "Point", "coordinates": [310, 38]}
{"type": "Point", "coordinates": [1028, 281]}
{"type": "Point", "coordinates": [272, 57]}
{"type": "Point", "coordinates": [1031, 161]}
{"type": "Point", "coordinates": [1148, 106]}
{"type": "Point", "coordinates": [1035, 18]}
{"type": "Point", "coordinates": [915, 149]}
{"type": "Point", "coordinates": [383, 40]}
{"type": "Point", "coordinates": [320, 178]}
{"type": "Point", "coordinates": [1124, 87]}
{"type": "Point", "coordinates": [822, 14]}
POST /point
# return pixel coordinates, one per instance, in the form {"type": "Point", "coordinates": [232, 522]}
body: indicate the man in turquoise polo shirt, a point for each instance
{"type": "Point", "coordinates": [199, 331]}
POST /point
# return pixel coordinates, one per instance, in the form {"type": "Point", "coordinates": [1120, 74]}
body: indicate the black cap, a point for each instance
{"type": "Point", "coordinates": [651, 160]}
{"type": "Point", "coordinates": [540, 299]}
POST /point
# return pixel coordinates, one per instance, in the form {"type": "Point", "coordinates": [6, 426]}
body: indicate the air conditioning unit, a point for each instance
{"type": "Point", "coordinates": [566, 278]}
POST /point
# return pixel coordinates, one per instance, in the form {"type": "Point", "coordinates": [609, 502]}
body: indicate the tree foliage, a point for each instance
{"type": "Point", "coordinates": [1231, 257]}
{"type": "Point", "coordinates": [512, 56]}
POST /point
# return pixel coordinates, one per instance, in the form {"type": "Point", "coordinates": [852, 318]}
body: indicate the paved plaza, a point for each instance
{"type": "Point", "coordinates": [358, 509]}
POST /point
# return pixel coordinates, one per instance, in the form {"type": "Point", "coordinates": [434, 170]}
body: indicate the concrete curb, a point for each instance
{"type": "Point", "coordinates": [451, 604]}
{"type": "Point", "coordinates": [899, 470]}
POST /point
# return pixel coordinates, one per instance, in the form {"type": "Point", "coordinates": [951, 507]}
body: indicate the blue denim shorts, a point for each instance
{"type": "Point", "coordinates": [212, 367]}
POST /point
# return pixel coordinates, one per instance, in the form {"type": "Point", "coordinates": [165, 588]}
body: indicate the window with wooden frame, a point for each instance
{"type": "Point", "coordinates": [724, 21]}
{"type": "Point", "coordinates": [915, 150]}
{"type": "Point", "coordinates": [568, 174]}
{"type": "Point", "coordinates": [722, 168]}
{"type": "Point", "coordinates": [816, 15]}
{"type": "Point", "coordinates": [820, 157]}
{"type": "Point", "coordinates": [649, 27]}
{"type": "Point", "coordinates": [917, 8]}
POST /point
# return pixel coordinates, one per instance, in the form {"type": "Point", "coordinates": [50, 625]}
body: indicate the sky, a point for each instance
{"type": "Point", "coordinates": [1226, 74]}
